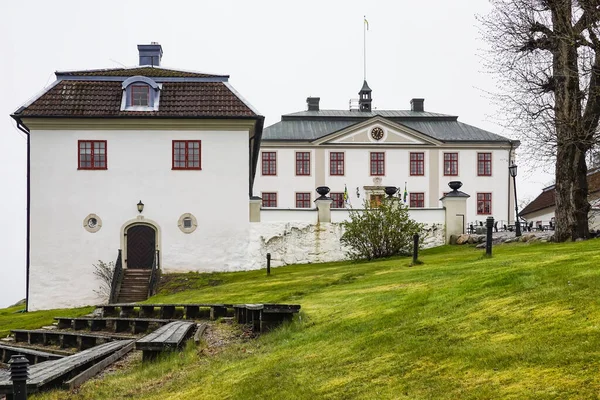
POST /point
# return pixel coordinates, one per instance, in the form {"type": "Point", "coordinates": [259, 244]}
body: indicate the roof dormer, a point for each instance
{"type": "Point", "coordinates": [140, 94]}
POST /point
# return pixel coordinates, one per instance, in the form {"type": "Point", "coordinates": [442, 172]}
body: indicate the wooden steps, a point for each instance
{"type": "Point", "coordinates": [63, 339]}
{"type": "Point", "coordinates": [167, 311]}
{"type": "Point", "coordinates": [34, 356]}
{"type": "Point", "coordinates": [52, 374]}
{"type": "Point", "coordinates": [134, 286]}
{"type": "Point", "coordinates": [132, 325]}
{"type": "Point", "coordinates": [264, 317]}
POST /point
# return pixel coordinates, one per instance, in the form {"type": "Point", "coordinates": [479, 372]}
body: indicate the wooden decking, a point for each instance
{"type": "Point", "coordinates": [54, 373]}
{"type": "Point", "coordinates": [168, 337]}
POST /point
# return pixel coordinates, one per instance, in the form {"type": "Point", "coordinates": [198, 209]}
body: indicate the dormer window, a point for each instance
{"type": "Point", "coordinates": [140, 94]}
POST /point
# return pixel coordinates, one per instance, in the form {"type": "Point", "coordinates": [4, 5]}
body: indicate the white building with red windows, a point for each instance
{"type": "Point", "coordinates": [363, 150]}
{"type": "Point", "coordinates": [156, 162]}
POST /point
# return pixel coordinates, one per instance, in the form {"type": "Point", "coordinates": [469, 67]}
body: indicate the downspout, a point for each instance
{"type": "Point", "coordinates": [255, 146]}
{"type": "Point", "coordinates": [26, 131]}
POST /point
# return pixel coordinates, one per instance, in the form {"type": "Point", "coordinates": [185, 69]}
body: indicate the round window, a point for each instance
{"type": "Point", "coordinates": [187, 223]}
{"type": "Point", "coordinates": [92, 223]}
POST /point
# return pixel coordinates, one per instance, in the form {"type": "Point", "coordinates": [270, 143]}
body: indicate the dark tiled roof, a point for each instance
{"type": "Point", "coordinates": [152, 72]}
{"type": "Point", "coordinates": [311, 125]}
{"type": "Point", "coordinates": [546, 198]}
{"type": "Point", "coordinates": [103, 99]}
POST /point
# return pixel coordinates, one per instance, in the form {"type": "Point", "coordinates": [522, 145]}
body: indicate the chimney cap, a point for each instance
{"type": "Point", "coordinates": [313, 103]}
{"type": "Point", "coordinates": [417, 105]}
{"type": "Point", "coordinates": [150, 54]}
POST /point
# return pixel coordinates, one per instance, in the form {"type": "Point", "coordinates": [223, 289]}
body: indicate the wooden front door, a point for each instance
{"type": "Point", "coordinates": [141, 246]}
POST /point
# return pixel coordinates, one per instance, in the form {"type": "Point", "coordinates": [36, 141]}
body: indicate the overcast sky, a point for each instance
{"type": "Point", "coordinates": [277, 53]}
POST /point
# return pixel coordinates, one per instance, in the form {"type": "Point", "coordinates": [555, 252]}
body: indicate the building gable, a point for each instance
{"type": "Point", "coordinates": [377, 131]}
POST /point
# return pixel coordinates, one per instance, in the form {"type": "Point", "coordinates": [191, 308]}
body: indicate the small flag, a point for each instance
{"type": "Point", "coordinates": [366, 22]}
{"type": "Point", "coordinates": [346, 194]}
{"type": "Point", "coordinates": [405, 192]}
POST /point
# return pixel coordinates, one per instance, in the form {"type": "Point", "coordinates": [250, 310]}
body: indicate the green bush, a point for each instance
{"type": "Point", "coordinates": [379, 231]}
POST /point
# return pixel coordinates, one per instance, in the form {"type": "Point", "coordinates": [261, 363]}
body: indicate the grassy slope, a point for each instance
{"type": "Point", "coordinates": [13, 318]}
{"type": "Point", "coordinates": [524, 324]}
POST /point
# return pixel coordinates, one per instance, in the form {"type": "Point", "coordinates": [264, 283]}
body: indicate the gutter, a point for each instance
{"type": "Point", "coordinates": [23, 128]}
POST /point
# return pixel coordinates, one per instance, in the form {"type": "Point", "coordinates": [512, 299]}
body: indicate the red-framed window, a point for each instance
{"type": "Point", "coordinates": [269, 163]}
{"type": "Point", "coordinates": [484, 203]}
{"type": "Point", "coordinates": [417, 163]}
{"type": "Point", "coordinates": [336, 163]}
{"type": "Point", "coordinates": [338, 200]}
{"type": "Point", "coordinates": [91, 154]}
{"type": "Point", "coordinates": [140, 95]}
{"type": "Point", "coordinates": [302, 200]}
{"type": "Point", "coordinates": [186, 154]}
{"type": "Point", "coordinates": [377, 163]}
{"type": "Point", "coordinates": [269, 199]}
{"type": "Point", "coordinates": [484, 164]}
{"type": "Point", "coordinates": [417, 200]}
{"type": "Point", "coordinates": [303, 163]}
{"type": "Point", "coordinates": [451, 164]}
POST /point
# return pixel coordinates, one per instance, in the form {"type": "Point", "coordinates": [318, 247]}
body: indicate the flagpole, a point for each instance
{"type": "Point", "coordinates": [365, 47]}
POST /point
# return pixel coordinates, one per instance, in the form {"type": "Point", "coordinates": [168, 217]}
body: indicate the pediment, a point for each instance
{"type": "Point", "coordinates": [378, 131]}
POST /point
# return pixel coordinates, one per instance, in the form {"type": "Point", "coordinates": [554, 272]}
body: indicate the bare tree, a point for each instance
{"type": "Point", "coordinates": [547, 57]}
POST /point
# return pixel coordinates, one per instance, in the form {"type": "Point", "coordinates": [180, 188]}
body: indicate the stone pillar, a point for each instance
{"type": "Point", "coordinates": [255, 203]}
{"type": "Point", "coordinates": [323, 205]}
{"type": "Point", "coordinates": [324, 209]}
{"type": "Point", "coordinates": [455, 204]}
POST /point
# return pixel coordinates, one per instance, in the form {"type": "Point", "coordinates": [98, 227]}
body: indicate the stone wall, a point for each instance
{"type": "Point", "coordinates": [304, 243]}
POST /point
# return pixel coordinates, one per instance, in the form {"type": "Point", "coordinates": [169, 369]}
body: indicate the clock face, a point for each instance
{"type": "Point", "coordinates": [377, 133]}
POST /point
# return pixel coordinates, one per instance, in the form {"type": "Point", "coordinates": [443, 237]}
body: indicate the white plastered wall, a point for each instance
{"type": "Point", "coordinates": [139, 168]}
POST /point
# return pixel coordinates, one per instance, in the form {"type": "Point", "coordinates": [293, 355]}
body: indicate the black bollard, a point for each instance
{"type": "Point", "coordinates": [18, 374]}
{"type": "Point", "coordinates": [489, 223]}
{"type": "Point", "coordinates": [415, 248]}
{"type": "Point", "coordinates": [268, 263]}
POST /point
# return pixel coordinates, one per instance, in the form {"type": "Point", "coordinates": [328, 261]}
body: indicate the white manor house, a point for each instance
{"type": "Point", "coordinates": [155, 168]}
{"type": "Point", "coordinates": [359, 151]}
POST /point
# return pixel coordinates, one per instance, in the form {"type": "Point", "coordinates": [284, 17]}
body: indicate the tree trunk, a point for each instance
{"type": "Point", "coordinates": [571, 170]}
{"type": "Point", "coordinates": [571, 194]}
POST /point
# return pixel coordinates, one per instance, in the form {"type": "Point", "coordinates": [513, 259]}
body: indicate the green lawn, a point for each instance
{"type": "Point", "coordinates": [524, 324]}
{"type": "Point", "coordinates": [14, 318]}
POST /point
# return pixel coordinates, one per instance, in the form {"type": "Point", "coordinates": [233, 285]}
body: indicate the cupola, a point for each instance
{"type": "Point", "coordinates": [364, 99]}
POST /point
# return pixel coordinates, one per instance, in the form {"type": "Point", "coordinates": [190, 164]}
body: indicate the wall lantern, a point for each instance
{"type": "Point", "coordinates": [140, 206]}
{"type": "Point", "coordinates": [357, 193]}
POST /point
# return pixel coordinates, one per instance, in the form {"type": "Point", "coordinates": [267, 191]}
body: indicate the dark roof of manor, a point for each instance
{"type": "Point", "coordinates": [312, 125]}
{"type": "Point", "coordinates": [151, 72]}
{"type": "Point", "coordinates": [98, 93]}
{"type": "Point", "coordinates": [547, 197]}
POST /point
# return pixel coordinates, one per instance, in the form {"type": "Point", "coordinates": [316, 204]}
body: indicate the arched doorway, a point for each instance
{"type": "Point", "coordinates": [141, 246]}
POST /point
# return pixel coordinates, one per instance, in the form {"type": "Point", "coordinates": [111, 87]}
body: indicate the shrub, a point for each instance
{"type": "Point", "coordinates": [380, 231]}
{"type": "Point", "coordinates": [104, 272]}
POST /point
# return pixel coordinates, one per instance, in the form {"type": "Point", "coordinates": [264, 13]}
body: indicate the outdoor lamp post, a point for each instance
{"type": "Point", "coordinates": [140, 206]}
{"type": "Point", "coordinates": [513, 172]}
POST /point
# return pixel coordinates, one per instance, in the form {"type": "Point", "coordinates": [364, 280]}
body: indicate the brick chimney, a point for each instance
{"type": "Point", "coordinates": [313, 103]}
{"type": "Point", "coordinates": [417, 105]}
{"type": "Point", "coordinates": [150, 54]}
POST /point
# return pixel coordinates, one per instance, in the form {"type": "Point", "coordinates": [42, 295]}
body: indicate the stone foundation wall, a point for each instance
{"type": "Point", "coordinates": [305, 243]}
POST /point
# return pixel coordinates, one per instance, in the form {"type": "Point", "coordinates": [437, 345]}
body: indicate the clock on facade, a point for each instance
{"type": "Point", "coordinates": [377, 133]}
